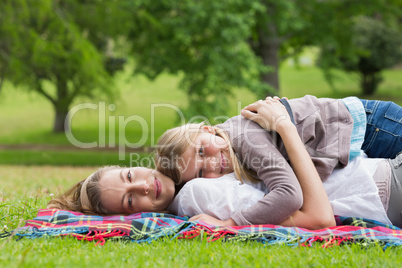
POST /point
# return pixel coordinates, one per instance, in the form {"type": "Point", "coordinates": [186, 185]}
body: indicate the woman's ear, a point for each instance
{"type": "Point", "coordinates": [208, 129]}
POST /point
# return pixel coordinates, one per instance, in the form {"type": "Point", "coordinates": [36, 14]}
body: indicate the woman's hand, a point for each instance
{"type": "Point", "coordinates": [212, 220]}
{"type": "Point", "coordinates": [270, 114]}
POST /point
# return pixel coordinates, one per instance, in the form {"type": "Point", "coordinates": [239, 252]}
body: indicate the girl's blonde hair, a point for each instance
{"type": "Point", "coordinates": [174, 142]}
{"type": "Point", "coordinates": [71, 199]}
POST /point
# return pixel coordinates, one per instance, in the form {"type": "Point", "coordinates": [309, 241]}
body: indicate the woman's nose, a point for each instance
{"type": "Point", "coordinates": [141, 187]}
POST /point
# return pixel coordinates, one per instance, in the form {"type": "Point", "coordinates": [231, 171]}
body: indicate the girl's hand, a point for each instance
{"type": "Point", "coordinates": [270, 114]}
{"type": "Point", "coordinates": [212, 220]}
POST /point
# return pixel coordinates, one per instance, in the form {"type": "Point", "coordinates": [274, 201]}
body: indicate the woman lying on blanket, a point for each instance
{"type": "Point", "coordinates": [333, 131]}
{"type": "Point", "coordinates": [125, 191]}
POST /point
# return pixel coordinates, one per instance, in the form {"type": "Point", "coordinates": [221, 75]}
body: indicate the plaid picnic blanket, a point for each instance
{"type": "Point", "coordinates": [146, 227]}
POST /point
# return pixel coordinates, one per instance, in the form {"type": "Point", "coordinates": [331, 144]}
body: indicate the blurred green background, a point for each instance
{"type": "Point", "coordinates": [26, 135]}
{"type": "Point", "coordinates": [122, 72]}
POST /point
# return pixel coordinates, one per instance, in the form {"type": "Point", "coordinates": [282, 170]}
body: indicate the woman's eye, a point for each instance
{"type": "Point", "coordinates": [129, 202]}
{"type": "Point", "coordinates": [201, 151]}
{"type": "Point", "coordinates": [129, 176]}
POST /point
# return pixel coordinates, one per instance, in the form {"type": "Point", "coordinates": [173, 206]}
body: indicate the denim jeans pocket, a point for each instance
{"type": "Point", "coordinates": [394, 113]}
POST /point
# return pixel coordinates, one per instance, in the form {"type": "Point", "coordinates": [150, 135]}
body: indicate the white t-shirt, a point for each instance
{"type": "Point", "coordinates": [351, 191]}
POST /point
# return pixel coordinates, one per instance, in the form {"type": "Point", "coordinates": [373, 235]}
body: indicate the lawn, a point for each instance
{"type": "Point", "coordinates": [34, 186]}
{"type": "Point", "coordinates": [31, 175]}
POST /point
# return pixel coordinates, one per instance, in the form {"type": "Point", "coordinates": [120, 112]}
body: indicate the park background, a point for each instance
{"type": "Point", "coordinates": [151, 59]}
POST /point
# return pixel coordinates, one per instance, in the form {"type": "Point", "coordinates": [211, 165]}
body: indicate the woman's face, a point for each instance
{"type": "Point", "coordinates": [133, 190]}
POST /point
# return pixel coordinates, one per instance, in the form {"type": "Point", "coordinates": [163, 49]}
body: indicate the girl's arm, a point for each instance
{"type": "Point", "coordinates": [316, 211]}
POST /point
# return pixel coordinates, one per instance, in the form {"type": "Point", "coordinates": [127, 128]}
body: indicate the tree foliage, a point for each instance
{"type": "Point", "coordinates": [56, 48]}
{"type": "Point", "coordinates": [285, 28]}
{"type": "Point", "coordinates": [206, 42]}
{"type": "Point", "coordinates": [220, 45]}
{"type": "Point", "coordinates": [376, 47]}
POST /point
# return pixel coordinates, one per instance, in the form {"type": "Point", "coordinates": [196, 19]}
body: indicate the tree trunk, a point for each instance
{"type": "Point", "coordinates": [61, 123]}
{"type": "Point", "coordinates": [369, 82]}
{"type": "Point", "coordinates": [268, 50]}
{"type": "Point", "coordinates": [270, 58]}
{"type": "Point", "coordinates": [61, 105]}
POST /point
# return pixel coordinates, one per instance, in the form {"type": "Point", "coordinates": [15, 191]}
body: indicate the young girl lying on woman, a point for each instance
{"type": "Point", "coordinates": [333, 131]}
{"type": "Point", "coordinates": [356, 191]}
{"type": "Point", "coordinates": [115, 190]}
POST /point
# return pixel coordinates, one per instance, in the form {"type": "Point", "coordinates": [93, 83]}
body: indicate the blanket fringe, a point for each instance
{"type": "Point", "coordinates": [200, 230]}
{"type": "Point", "coordinates": [100, 237]}
{"type": "Point", "coordinates": [226, 234]}
{"type": "Point", "coordinates": [33, 232]}
{"type": "Point", "coordinates": [326, 241]}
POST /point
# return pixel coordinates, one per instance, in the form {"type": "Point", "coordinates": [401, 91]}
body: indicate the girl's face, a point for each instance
{"type": "Point", "coordinates": [206, 157]}
{"type": "Point", "coordinates": [133, 190]}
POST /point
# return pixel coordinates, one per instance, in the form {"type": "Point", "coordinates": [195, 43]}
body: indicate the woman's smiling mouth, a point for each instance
{"type": "Point", "coordinates": [157, 187]}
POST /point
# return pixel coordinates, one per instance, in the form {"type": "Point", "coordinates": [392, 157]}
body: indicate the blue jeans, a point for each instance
{"type": "Point", "coordinates": [383, 138]}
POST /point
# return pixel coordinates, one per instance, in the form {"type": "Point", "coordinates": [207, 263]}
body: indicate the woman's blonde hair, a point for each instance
{"type": "Point", "coordinates": [174, 142]}
{"type": "Point", "coordinates": [71, 199]}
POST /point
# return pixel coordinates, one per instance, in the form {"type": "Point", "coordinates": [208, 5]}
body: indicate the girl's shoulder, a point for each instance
{"type": "Point", "coordinates": [237, 126]}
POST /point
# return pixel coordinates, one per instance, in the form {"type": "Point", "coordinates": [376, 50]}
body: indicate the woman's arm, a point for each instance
{"type": "Point", "coordinates": [316, 211]}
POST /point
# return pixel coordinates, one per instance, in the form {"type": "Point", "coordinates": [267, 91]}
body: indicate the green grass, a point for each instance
{"type": "Point", "coordinates": [24, 190]}
{"type": "Point", "coordinates": [173, 253]}
{"type": "Point", "coordinates": [74, 158]}
{"type": "Point", "coordinates": [297, 82]}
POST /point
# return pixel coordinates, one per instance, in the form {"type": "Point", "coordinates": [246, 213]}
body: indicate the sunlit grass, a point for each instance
{"type": "Point", "coordinates": [57, 157]}
{"type": "Point", "coordinates": [68, 252]}
{"type": "Point", "coordinates": [297, 82]}
{"type": "Point", "coordinates": [25, 189]}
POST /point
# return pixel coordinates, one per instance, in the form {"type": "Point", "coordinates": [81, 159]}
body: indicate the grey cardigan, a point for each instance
{"type": "Point", "coordinates": [325, 127]}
